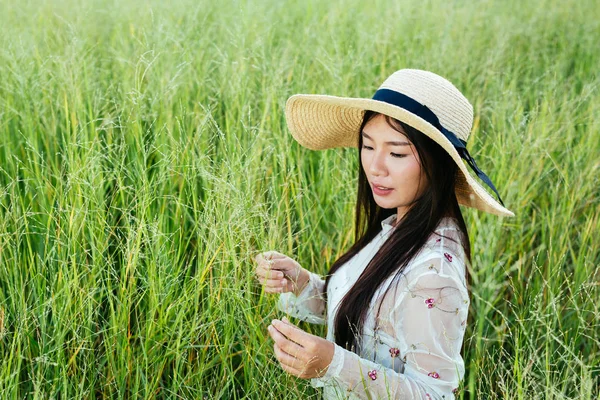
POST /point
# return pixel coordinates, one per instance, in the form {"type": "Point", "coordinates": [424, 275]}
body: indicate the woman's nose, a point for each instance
{"type": "Point", "coordinates": [377, 166]}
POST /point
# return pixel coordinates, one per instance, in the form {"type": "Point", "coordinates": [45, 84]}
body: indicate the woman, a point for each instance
{"type": "Point", "coordinates": [396, 303]}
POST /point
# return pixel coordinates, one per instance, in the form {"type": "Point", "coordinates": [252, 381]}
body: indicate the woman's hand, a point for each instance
{"type": "Point", "coordinates": [279, 273]}
{"type": "Point", "coordinates": [300, 353]}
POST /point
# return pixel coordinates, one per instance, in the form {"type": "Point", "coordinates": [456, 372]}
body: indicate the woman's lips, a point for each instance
{"type": "Point", "coordinates": [381, 192]}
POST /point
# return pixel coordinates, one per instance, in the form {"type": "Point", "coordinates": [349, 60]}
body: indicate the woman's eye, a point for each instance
{"type": "Point", "coordinates": [393, 154]}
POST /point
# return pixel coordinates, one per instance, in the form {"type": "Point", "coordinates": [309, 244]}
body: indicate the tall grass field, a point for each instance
{"type": "Point", "coordinates": [145, 160]}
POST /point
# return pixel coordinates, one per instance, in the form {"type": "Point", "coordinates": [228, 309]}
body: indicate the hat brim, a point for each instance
{"type": "Point", "coordinates": [321, 122]}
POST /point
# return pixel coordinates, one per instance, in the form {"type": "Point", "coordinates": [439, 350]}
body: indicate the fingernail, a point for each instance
{"type": "Point", "coordinates": [285, 319]}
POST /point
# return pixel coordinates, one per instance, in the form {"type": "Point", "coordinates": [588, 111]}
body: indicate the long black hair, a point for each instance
{"type": "Point", "coordinates": [437, 201]}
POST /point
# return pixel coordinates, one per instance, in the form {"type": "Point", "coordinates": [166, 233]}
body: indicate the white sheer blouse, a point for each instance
{"type": "Point", "coordinates": [415, 351]}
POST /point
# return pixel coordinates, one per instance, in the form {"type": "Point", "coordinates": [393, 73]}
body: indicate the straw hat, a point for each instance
{"type": "Point", "coordinates": [421, 99]}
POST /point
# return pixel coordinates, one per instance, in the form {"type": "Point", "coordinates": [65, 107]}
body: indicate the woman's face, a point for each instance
{"type": "Point", "coordinates": [390, 160]}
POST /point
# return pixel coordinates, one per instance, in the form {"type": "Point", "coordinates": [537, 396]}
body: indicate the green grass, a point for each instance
{"type": "Point", "coordinates": [144, 159]}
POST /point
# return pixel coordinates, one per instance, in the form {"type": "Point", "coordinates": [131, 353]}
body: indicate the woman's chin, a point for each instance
{"type": "Point", "coordinates": [385, 203]}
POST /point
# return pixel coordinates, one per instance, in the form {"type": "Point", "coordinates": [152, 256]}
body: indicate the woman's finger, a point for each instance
{"type": "Point", "coordinates": [273, 255]}
{"type": "Point", "coordinates": [290, 347]}
{"type": "Point", "coordinates": [293, 333]}
{"type": "Point", "coordinates": [275, 273]}
{"type": "Point", "coordinates": [272, 290]}
{"type": "Point", "coordinates": [273, 284]}
{"type": "Point", "coordinates": [286, 359]}
{"type": "Point", "coordinates": [291, 370]}
{"type": "Point", "coordinates": [268, 256]}
{"type": "Point", "coordinates": [270, 281]}
{"type": "Point", "coordinates": [263, 273]}
{"type": "Point", "coordinates": [269, 265]}
{"type": "Point", "coordinates": [261, 260]}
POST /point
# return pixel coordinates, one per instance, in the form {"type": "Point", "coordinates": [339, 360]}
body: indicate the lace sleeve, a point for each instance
{"type": "Point", "coordinates": [426, 325]}
{"type": "Point", "coordinates": [309, 305]}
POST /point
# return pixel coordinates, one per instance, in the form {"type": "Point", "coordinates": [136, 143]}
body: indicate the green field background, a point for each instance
{"type": "Point", "coordinates": [145, 159]}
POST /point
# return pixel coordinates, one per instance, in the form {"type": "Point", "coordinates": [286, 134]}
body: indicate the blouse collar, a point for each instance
{"type": "Point", "coordinates": [387, 224]}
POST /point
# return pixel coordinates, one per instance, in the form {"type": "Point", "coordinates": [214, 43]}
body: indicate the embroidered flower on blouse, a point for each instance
{"type": "Point", "coordinates": [394, 352]}
{"type": "Point", "coordinates": [430, 302]}
{"type": "Point", "coordinates": [448, 257]}
{"type": "Point", "coordinates": [372, 374]}
{"type": "Point", "coordinates": [434, 375]}
{"type": "Point", "coordinates": [438, 240]}
{"type": "Point", "coordinates": [427, 396]}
